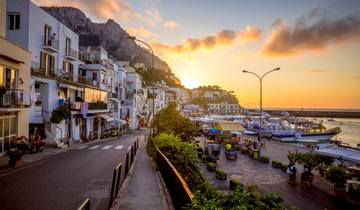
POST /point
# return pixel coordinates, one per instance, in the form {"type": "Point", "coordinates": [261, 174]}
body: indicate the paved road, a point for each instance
{"type": "Point", "coordinates": [63, 182]}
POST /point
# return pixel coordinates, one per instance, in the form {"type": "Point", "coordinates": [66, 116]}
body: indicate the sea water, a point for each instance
{"type": "Point", "coordinates": [350, 129]}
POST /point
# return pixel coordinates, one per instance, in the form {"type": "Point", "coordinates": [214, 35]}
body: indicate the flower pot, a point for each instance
{"type": "Point", "coordinates": [221, 175]}
{"type": "Point", "coordinates": [264, 159]}
{"type": "Point", "coordinates": [211, 167]}
{"type": "Point", "coordinates": [235, 183]}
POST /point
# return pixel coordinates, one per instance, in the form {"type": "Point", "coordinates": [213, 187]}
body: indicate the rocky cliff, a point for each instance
{"type": "Point", "coordinates": [109, 35]}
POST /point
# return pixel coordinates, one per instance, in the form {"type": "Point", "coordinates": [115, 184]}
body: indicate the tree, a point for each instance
{"type": "Point", "coordinates": [169, 120]}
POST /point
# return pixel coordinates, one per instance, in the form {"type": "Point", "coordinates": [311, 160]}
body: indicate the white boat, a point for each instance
{"type": "Point", "coordinates": [303, 135]}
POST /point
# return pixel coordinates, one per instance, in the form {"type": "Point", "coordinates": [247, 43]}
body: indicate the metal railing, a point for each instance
{"type": "Point", "coordinates": [71, 53]}
{"type": "Point", "coordinates": [14, 98]}
{"type": "Point", "coordinates": [38, 70]}
{"type": "Point", "coordinates": [88, 81]}
{"type": "Point", "coordinates": [98, 106]}
{"type": "Point", "coordinates": [48, 42]}
{"type": "Point", "coordinates": [116, 179]}
{"type": "Point", "coordinates": [178, 189]}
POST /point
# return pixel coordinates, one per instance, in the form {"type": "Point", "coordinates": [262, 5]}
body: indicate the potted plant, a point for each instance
{"type": "Point", "coordinates": [338, 175]}
{"type": "Point", "coordinates": [211, 166]}
{"type": "Point", "coordinates": [235, 183]}
{"type": "Point", "coordinates": [276, 164]}
{"type": "Point", "coordinates": [264, 159]}
{"type": "Point", "coordinates": [220, 174]}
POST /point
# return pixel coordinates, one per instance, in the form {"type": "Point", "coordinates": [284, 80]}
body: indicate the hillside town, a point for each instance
{"type": "Point", "coordinates": [92, 115]}
{"type": "Point", "coordinates": [71, 91]}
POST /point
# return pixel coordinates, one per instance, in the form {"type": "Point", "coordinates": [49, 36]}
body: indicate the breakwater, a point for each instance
{"type": "Point", "coordinates": [317, 113]}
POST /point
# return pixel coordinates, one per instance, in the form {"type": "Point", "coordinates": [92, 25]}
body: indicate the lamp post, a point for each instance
{"type": "Point", "coordinates": [153, 80]}
{"type": "Point", "coordinates": [260, 79]}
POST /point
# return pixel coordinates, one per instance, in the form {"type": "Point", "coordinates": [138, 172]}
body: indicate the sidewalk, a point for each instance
{"type": "Point", "coordinates": [142, 188]}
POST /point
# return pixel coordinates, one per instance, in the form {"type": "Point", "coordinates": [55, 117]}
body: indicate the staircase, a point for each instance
{"type": "Point", "coordinates": [50, 138]}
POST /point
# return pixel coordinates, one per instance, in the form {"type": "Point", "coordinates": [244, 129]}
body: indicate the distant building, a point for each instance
{"type": "Point", "coordinates": [223, 108]}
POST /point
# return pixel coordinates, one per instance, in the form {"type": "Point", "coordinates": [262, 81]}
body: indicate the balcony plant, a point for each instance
{"type": "Point", "coordinates": [59, 114]}
{"type": "Point", "coordinates": [220, 174]}
{"type": "Point", "coordinates": [211, 166]}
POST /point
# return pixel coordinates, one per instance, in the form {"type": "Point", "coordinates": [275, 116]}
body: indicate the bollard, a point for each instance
{"type": "Point", "coordinates": [126, 164]}
{"type": "Point", "coordinates": [85, 205]}
{"type": "Point", "coordinates": [118, 167]}
{"type": "Point", "coordinates": [112, 188]}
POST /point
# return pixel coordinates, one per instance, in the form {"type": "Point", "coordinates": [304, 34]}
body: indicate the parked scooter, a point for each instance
{"type": "Point", "coordinates": [37, 144]}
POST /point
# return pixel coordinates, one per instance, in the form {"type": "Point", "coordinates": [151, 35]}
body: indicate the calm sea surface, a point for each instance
{"type": "Point", "coordinates": [350, 129]}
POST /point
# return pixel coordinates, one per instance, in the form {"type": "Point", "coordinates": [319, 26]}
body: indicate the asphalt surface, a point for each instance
{"type": "Point", "coordinates": [64, 181]}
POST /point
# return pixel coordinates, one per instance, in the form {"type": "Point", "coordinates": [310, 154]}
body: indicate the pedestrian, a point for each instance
{"type": "Point", "coordinates": [292, 173]}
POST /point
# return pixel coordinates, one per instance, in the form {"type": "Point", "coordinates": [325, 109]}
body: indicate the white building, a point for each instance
{"type": "Point", "coordinates": [54, 68]}
{"type": "Point", "coordinates": [223, 108]}
{"type": "Point", "coordinates": [134, 97]}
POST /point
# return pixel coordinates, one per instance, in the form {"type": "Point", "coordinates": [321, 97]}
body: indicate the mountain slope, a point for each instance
{"type": "Point", "coordinates": [110, 35]}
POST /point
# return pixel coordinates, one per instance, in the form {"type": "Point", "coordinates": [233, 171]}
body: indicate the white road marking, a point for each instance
{"type": "Point", "coordinates": [94, 147]}
{"type": "Point", "coordinates": [107, 147]}
{"type": "Point", "coordinates": [119, 147]}
{"type": "Point", "coordinates": [82, 147]}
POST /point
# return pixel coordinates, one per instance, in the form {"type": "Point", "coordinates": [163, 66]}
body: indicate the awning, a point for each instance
{"type": "Point", "coordinates": [231, 126]}
{"type": "Point", "coordinates": [64, 85]}
{"type": "Point", "coordinates": [106, 117]}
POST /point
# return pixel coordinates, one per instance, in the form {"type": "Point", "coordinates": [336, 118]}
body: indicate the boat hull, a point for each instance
{"type": "Point", "coordinates": [316, 137]}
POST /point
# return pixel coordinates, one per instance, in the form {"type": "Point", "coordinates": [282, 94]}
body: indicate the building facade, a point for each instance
{"type": "Point", "coordinates": [223, 108]}
{"type": "Point", "coordinates": [15, 96]}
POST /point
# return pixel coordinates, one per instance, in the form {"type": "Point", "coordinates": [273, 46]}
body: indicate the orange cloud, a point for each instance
{"type": "Point", "coordinates": [170, 24]}
{"type": "Point", "coordinates": [285, 41]}
{"type": "Point", "coordinates": [224, 37]}
{"type": "Point", "coordinates": [140, 31]}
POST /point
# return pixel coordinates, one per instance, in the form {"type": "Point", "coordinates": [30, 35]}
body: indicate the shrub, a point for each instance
{"type": "Point", "coordinates": [59, 114]}
{"type": "Point", "coordinates": [338, 175]}
{"type": "Point", "coordinates": [284, 168]}
{"type": "Point", "coordinates": [264, 159]}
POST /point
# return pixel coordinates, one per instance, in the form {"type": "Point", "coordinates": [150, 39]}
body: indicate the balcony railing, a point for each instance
{"type": "Point", "coordinates": [14, 98]}
{"type": "Point", "coordinates": [88, 81]}
{"type": "Point", "coordinates": [38, 70]}
{"type": "Point", "coordinates": [71, 54]}
{"type": "Point", "coordinates": [51, 44]}
{"type": "Point", "coordinates": [98, 106]}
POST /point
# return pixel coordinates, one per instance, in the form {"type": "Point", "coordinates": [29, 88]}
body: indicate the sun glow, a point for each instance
{"type": "Point", "coordinates": [190, 82]}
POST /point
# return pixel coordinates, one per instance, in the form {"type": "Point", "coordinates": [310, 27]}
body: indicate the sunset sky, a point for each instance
{"type": "Point", "coordinates": [209, 42]}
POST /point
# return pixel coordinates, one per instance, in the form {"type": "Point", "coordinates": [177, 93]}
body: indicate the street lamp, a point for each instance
{"type": "Point", "coordinates": [153, 80]}
{"type": "Point", "coordinates": [260, 78]}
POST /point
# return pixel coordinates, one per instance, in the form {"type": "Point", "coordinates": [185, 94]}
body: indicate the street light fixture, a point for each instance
{"type": "Point", "coordinates": [133, 38]}
{"type": "Point", "coordinates": [260, 79]}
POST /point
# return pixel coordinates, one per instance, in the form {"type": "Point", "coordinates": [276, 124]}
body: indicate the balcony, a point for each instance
{"type": "Point", "coordinates": [50, 45]}
{"type": "Point", "coordinates": [98, 106]}
{"type": "Point", "coordinates": [37, 70]}
{"type": "Point", "coordinates": [13, 98]}
{"type": "Point", "coordinates": [88, 81]}
{"type": "Point", "coordinates": [71, 54]}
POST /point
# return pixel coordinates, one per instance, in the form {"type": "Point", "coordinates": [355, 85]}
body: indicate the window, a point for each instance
{"type": "Point", "coordinates": [8, 78]}
{"type": "Point", "coordinates": [47, 64]}
{"type": "Point", "coordinates": [47, 35]}
{"type": "Point", "coordinates": [68, 46]}
{"type": "Point", "coordinates": [14, 21]}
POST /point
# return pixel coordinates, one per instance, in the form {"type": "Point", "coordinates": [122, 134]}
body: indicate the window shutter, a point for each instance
{"type": "Point", "coordinates": [53, 64]}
